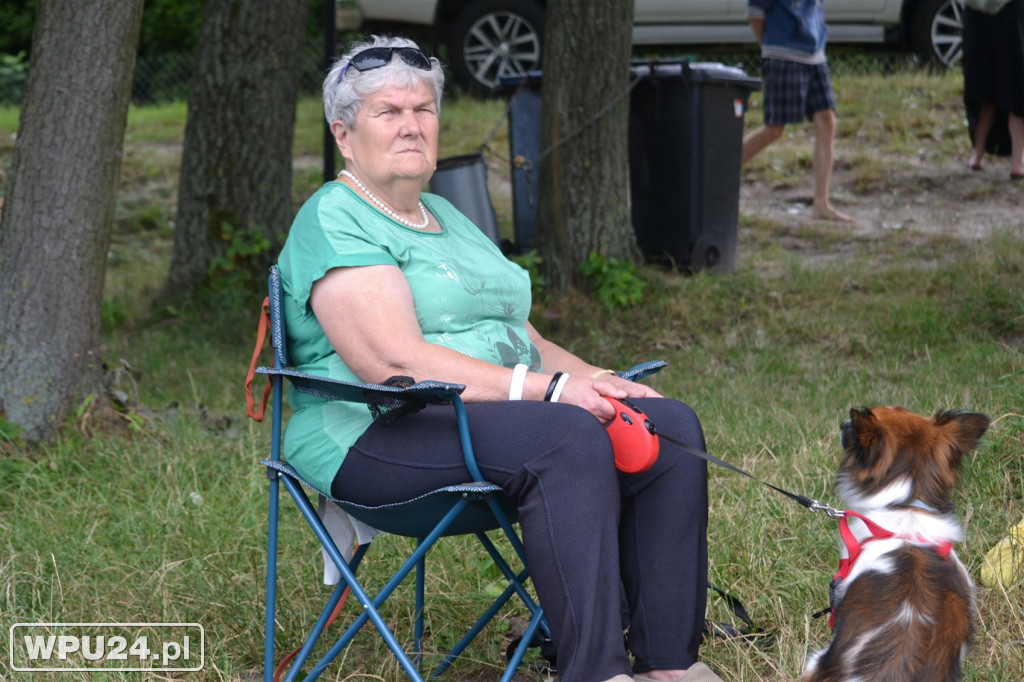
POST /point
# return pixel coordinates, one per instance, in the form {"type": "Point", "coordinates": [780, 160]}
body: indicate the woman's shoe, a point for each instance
{"type": "Point", "coordinates": [698, 672]}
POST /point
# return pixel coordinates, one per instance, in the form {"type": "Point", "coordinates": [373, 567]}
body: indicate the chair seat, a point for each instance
{"type": "Point", "coordinates": [417, 517]}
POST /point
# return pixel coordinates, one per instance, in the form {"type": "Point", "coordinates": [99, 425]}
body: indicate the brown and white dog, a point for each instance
{"type": "Point", "coordinates": [902, 603]}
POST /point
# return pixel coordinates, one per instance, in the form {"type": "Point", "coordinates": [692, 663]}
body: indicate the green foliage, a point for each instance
{"type": "Point", "coordinates": [114, 314]}
{"type": "Point", "coordinates": [242, 246]}
{"type": "Point", "coordinates": [616, 283]}
{"type": "Point", "coordinates": [13, 74]}
{"type": "Point", "coordinates": [16, 20]}
{"type": "Point", "coordinates": [169, 26]}
{"type": "Point", "coordinates": [147, 217]}
{"type": "Point", "coordinates": [9, 431]}
{"type": "Point", "coordinates": [531, 262]}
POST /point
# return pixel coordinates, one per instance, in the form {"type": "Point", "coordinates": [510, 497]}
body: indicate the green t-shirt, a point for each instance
{"type": "Point", "coordinates": [468, 297]}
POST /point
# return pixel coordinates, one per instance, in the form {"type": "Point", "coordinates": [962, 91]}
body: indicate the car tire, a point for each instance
{"type": "Point", "coordinates": [937, 32]}
{"type": "Point", "coordinates": [494, 38]}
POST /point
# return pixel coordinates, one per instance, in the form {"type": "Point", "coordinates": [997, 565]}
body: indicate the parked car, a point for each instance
{"type": "Point", "coordinates": [487, 39]}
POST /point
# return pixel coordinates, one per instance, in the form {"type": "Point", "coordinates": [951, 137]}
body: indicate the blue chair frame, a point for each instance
{"type": "Point", "coordinates": [474, 507]}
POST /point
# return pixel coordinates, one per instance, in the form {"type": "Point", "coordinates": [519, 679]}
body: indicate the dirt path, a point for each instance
{"type": "Point", "coordinates": [923, 201]}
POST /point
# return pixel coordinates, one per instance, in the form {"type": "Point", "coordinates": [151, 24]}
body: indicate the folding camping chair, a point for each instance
{"type": "Point", "coordinates": [474, 507]}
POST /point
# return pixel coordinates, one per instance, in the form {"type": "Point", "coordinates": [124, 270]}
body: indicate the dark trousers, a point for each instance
{"type": "Point", "coordinates": [588, 529]}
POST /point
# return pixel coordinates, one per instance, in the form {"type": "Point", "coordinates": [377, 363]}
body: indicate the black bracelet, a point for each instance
{"type": "Point", "coordinates": [551, 387]}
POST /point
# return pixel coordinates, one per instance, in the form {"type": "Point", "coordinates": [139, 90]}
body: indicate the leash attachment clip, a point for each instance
{"type": "Point", "coordinates": [829, 510]}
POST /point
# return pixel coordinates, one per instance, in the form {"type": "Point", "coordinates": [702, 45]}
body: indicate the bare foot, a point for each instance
{"type": "Point", "coordinates": [976, 163]}
{"type": "Point", "coordinates": [825, 211]}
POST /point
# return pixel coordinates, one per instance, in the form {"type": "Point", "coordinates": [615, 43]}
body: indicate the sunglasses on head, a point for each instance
{"type": "Point", "coordinates": [376, 57]}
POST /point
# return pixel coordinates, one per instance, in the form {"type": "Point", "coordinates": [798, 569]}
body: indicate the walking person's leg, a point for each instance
{"type": "Point", "coordinates": [824, 152]}
{"type": "Point", "coordinates": [821, 107]}
{"type": "Point", "coordinates": [986, 118]}
{"type": "Point", "coordinates": [757, 140]}
{"type": "Point", "coordinates": [776, 103]}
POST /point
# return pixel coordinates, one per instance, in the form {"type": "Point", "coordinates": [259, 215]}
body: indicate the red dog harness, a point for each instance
{"type": "Point", "coordinates": [854, 548]}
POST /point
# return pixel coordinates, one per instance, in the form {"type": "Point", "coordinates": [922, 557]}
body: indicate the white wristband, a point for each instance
{"type": "Point", "coordinates": [558, 387]}
{"type": "Point", "coordinates": [515, 389]}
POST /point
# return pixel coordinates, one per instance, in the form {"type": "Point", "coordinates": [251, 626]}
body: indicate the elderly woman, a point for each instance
{"type": "Point", "coordinates": [381, 280]}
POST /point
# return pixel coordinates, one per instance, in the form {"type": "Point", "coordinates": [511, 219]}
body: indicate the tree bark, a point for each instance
{"type": "Point", "coordinates": [59, 208]}
{"type": "Point", "coordinates": [234, 196]}
{"type": "Point", "coordinates": [584, 198]}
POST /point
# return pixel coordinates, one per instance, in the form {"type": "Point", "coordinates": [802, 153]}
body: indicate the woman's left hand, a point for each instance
{"type": "Point", "coordinates": [624, 388]}
{"type": "Point", "coordinates": [590, 393]}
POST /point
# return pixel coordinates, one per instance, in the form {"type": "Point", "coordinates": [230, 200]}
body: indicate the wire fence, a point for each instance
{"type": "Point", "coordinates": [164, 78]}
{"type": "Point", "coordinates": [158, 79]}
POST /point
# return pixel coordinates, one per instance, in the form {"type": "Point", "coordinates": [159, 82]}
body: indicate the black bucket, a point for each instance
{"type": "Point", "coordinates": [462, 180]}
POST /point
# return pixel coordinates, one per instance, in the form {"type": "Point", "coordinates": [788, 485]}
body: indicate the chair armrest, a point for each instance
{"type": "Point", "coordinates": [644, 369]}
{"type": "Point", "coordinates": [427, 391]}
{"type": "Point", "coordinates": [333, 389]}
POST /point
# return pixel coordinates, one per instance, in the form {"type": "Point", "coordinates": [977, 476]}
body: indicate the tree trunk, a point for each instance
{"type": "Point", "coordinates": [59, 208]}
{"type": "Point", "coordinates": [584, 198]}
{"type": "Point", "coordinates": [234, 197]}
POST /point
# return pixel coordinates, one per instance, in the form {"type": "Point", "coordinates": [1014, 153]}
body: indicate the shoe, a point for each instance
{"type": "Point", "coordinates": [1014, 177]}
{"type": "Point", "coordinates": [698, 672]}
{"type": "Point", "coordinates": [976, 166]}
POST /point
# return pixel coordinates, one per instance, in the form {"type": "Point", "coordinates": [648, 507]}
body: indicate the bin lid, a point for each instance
{"type": "Point", "coordinates": [530, 78]}
{"type": "Point", "coordinates": [694, 72]}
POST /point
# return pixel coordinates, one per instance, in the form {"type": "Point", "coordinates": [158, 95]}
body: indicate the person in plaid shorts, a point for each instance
{"type": "Point", "coordinates": [797, 86]}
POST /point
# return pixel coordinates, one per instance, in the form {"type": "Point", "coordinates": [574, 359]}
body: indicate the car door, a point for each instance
{"type": "Point", "coordinates": [688, 11]}
{"type": "Point", "coordinates": [855, 10]}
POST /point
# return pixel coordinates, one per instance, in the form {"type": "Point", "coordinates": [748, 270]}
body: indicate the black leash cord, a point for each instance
{"type": "Point", "coordinates": [808, 503]}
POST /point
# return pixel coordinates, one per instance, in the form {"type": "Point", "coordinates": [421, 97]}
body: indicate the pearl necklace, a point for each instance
{"type": "Point", "coordinates": [387, 209]}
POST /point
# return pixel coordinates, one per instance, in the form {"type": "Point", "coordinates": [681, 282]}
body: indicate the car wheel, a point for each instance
{"type": "Point", "coordinates": [937, 31]}
{"type": "Point", "coordinates": [494, 38]}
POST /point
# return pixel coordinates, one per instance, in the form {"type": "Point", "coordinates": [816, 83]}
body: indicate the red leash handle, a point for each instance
{"type": "Point", "coordinates": [633, 439]}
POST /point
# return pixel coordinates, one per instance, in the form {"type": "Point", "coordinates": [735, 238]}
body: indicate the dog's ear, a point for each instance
{"type": "Point", "coordinates": [867, 442]}
{"type": "Point", "coordinates": [964, 428]}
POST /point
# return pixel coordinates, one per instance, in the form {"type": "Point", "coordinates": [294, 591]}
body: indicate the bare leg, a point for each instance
{"type": "Point", "coordinates": [754, 142]}
{"type": "Point", "coordinates": [1016, 124]}
{"type": "Point", "coordinates": [824, 138]}
{"type": "Point", "coordinates": [986, 117]}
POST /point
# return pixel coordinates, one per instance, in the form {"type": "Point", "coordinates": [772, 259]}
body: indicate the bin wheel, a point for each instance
{"type": "Point", "coordinates": [712, 257]}
{"type": "Point", "coordinates": [494, 38]}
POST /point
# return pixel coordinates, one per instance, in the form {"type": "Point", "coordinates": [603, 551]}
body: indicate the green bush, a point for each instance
{"type": "Point", "coordinates": [13, 74]}
{"type": "Point", "coordinates": [616, 282]}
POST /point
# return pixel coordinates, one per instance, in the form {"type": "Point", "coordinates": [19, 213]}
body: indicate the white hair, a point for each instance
{"type": "Point", "coordinates": [344, 90]}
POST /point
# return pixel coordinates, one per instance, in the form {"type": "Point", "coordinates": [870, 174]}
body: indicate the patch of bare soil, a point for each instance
{"type": "Point", "coordinates": [921, 202]}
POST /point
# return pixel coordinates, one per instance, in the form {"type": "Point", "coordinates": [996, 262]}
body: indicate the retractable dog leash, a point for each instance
{"type": "Point", "coordinates": [635, 441]}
